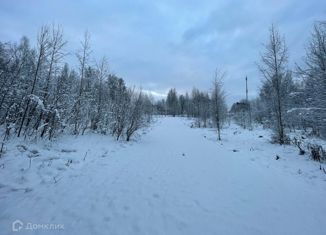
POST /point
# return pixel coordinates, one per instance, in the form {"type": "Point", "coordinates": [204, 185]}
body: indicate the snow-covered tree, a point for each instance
{"type": "Point", "coordinates": [277, 81]}
{"type": "Point", "coordinates": [33, 102]}
{"type": "Point", "coordinates": [240, 112]}
{"type": "Point", "coordinates": [40, 96]}
{"type": "Point", "coordinates": [83, 58]}
{"type": "Point", "coordinates": [313, 72]}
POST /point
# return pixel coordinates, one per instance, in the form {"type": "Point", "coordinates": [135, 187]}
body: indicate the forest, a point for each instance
{"type": "Point", "coordinates": [41, 96]}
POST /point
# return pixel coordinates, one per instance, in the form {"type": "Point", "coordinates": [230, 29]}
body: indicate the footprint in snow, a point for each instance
{"type": "Point", "coordinates": [28, 190]}
{"type": "Point", "coordinates": [105, 154]}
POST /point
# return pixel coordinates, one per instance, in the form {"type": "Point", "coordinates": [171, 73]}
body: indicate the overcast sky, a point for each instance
{"type": "Point", "coordinates": [162, 44]}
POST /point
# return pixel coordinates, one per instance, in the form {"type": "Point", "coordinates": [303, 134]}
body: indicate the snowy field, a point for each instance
{"type": "Point", "coordinates": [173, 180]}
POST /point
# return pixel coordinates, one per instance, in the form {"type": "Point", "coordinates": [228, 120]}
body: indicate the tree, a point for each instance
{"type": "Point", "coordinates": [172, 102]}
{"type": "Point", "coordinates": [83, 58]}
{"type": "Point", "coordinates": [195, 102]}
{"type": "Point", "coordinates": [40, 98]}
{"type": "Point", "coordinates": [277, 82]}
{"type": "Point", "coordinates": [56, 44]}
{"type": "Point", "coordinates": [43, 49]}
{"type": "Point", "coordinates": [160, 106]}
{"type": "Point", "coordinates": [101, 73]}
{"type": "Point", "coordinates": [314, 76]}
{"type": "Point", "coordinates": [119, 106]}
{"type": "Point", "coordinates": [135, 117]}
{"type": "Point", "coordinates": [240, 113]}
{"type": "Point", "coordinates": [182, 103]}
{"type": "Point", "coordinates": [218, 107]}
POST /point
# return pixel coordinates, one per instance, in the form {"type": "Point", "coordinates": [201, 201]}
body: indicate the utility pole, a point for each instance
{"type": "Point", "coordinates": [246, 89]}
{"type": "Point", "coordinates": [247, 101]}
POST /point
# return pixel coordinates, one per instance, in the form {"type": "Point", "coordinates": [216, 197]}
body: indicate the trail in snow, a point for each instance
{"type": "Point", "coordinates": [175, 180]}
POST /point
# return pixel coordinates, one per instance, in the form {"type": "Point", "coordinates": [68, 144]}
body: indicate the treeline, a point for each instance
{"type": "Point", "coordinates": [42, 96]}
{"type": "Point", "coordinates": [207, 108]}
{"type": "Point", "coordinates": [289, 99]}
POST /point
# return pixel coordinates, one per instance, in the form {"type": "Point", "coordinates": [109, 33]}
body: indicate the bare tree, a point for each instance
{"type": "Point", "coordinates": [135, 114]}
{"type": "Point", "coordinates": [56, 44]}
{"type": "Point", "coordinates": [218, 106]}
{"type": "Point", "coordinates": [101, 74]}
{"type": "Point", "coordinates": [83, 59]}
{"type": "Point", "coordinates": [273, 67]}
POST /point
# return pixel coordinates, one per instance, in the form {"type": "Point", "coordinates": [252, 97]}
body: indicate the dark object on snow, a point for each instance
{"type": "Point", "coordinates": [276, 139]}
{"type": "Point", "coordinates": [85, 156]}
{"type": "Point", "coordinates": [28, 190]}
{"type": "Point", "coordinates": [297, 143]}
{"type": "Point", "coordinates": [183, 154]}
{"type": "Point", "coordinates": [21, 148]}
{"type": "Point", "coordinates": [317, 152]}
{"type": "Point", "coordinates": [204, 136]}
{"type": "Point", "coordinates": [68, 162]}
{"type": "Point", "coordinates": [277, 157]}
{"type": "Point", "coordinates": [56, 180]}
{"type": "Point", "coordinates": [235, 150]}
{"type": "Point", "coordinates": [34, 151]}
{"type": "Point", "coordinates": [320, 168]}
{"type": "Point", "coordinates": [68, 150]}
{"type": "Point", "coordinates": [260, 136]}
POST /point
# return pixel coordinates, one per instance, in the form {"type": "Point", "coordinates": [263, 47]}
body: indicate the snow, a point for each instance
{"type": "Point", "coordinates": [173, 180]}
{"type": "Point", "coordinates": [37, 100]}
{"type": "Point", "coordinates": [305, 109]}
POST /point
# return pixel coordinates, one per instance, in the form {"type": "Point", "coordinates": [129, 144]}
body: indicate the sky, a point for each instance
{"type": "Point", "coordinates": [158, 45]}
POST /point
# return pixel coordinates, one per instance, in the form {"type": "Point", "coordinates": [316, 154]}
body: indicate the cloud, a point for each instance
{"type": "Point", "coordinates": [161, 44]}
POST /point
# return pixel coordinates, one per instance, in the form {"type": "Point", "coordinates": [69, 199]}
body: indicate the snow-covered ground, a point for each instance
{"type": "Point", "coordinates": [173, 180]}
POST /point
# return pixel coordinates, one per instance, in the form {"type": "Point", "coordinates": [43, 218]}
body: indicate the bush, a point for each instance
{"type": "Point", "coordinates": [317, 153]}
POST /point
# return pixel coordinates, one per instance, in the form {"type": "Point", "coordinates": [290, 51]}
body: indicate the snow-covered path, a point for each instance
{"type": "Point", "coordinates": [178, 180]}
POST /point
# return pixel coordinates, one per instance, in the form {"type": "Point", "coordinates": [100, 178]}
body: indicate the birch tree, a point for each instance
{"type": "Point", "coordinates": [218, 107]}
